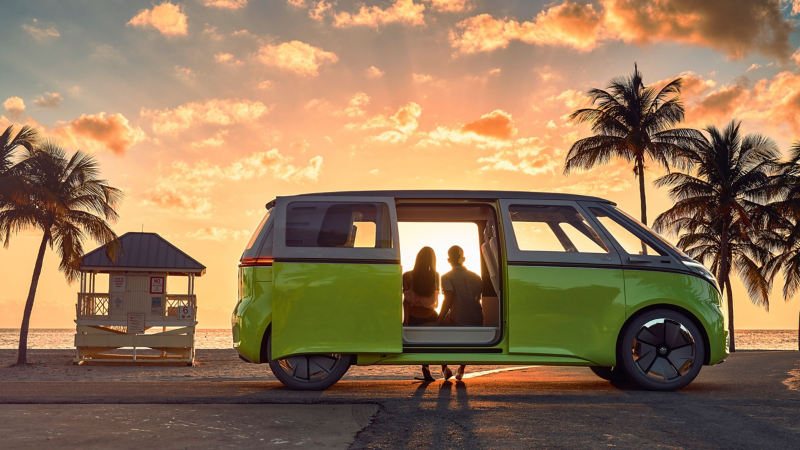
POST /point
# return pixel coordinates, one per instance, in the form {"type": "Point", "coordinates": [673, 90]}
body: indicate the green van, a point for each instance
{"type": "Point", "coordinates": [567, 280]}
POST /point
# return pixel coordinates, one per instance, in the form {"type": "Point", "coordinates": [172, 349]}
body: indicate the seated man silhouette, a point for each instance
{"type": "Point", "coordinates": [462, 300]}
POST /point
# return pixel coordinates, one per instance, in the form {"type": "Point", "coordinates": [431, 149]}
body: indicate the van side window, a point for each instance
{"type": "Point", "coordinates": [629, 241]}
{"type": "Point", "coordinates": [553, 229]}
{"type": "Point", "coordinates": [332, 224]}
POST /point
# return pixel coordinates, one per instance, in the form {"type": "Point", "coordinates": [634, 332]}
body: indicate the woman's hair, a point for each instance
{"type": "Point", "coordinates": [424, 273]}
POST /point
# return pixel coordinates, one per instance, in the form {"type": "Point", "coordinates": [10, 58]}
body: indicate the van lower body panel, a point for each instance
{"type": "Point", "coordinates": [336, 308]}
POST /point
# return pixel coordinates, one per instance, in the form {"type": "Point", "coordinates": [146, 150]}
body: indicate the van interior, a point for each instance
{"type": "Point", "coordinates": [486, 244]}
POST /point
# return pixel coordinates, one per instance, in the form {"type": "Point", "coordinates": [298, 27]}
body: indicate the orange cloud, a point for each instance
{"type": "Point", "coordinates": [227, 58]}
{"type": "Point", "coordinates": [319, 10]}
{"type": "Point", "coordinates": [402, 11]}
{"type": "Point", "coordinates": [756, 25]}
{"type": "Point", "coordinates": [215, 141]}
{"type": "Point", "coordinates": [178, 190]}
{"type": "Point", "coordinates": [796, 57]}
{"type": "Point", "coordinates": [374, 72]}
{"type": "Point", "coordinates": [218, 234]}
{"type": "Point", "coordinates": [296, 56]}
{"type": "Point", "coordinates": [400, 126]}
{"type": "Point", "coordinates": [167, 18]}
{"type": "Point", "coordinates": [572, 99]}
{"type": "Point", "coordinates": [98, 132]}
{"type": "Point", "coordinates": [14, 106]}
{"type": "Point", "coordinates": [168, 198]}
{"type": "Point", "coordinates": [451, 5]}
{"type": "Point", "coordinates": [48, 100]}
{"type": "Point", "coordinates": [296, 3]}
{"type": "Point", "coordinates": [497, 124]}
{"type": "Point", "coordinates": [571, 24]}
{"type": "Point", "coordinates": [225, 4]}
{"type": "Point", "coordinates": [41, 34]}
{"type": "Point", "coordinates": [773, 102]}
{"type": "Point", "coordinates": [354, 106]}
{"type": "Point", "coordinates": [184, 73]}
{"type": "Point", "coordinates": [529, 161]}
{"type": "Point", "coordinates": [597, 183]}
{"type": "Point", "coordinates": [216, 112]}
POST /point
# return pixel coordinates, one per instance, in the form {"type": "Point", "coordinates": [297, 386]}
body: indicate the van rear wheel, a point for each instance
{"type": "Point", "coordinates": [662, 350]}
{"type": "Point", "coordinates": [309, 372]}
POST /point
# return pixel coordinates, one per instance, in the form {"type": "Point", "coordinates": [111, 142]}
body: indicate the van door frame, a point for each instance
{"type": "Point", "coordinates": [488, 347]}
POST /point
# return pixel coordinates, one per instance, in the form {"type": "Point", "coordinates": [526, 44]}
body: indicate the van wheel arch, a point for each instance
{"type": "Point", "coordinates": [263, 357]}
{"type": "Point", "coordinates": [685, 312]}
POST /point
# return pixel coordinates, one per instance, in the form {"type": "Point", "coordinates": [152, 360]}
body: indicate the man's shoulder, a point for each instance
{"type": "Point", "coordinates": [461, 273]}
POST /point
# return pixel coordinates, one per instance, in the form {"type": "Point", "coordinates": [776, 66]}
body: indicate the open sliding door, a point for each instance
{"type": "Point", "coordinates": [336, 276]}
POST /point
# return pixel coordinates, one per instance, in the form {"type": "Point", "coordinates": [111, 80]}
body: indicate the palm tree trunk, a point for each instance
{"type": "Point", "coordinates": [724, 278]}
{"type": "Point", "coordinates": [22, 355]}
{"type": "Point", "coordinates": [642, 199]}
{"type": "Point", "coordinates": [729, 290]}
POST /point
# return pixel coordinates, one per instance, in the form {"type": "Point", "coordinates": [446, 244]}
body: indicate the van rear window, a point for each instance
{"type": "Point", "coordinates": [332, 224]}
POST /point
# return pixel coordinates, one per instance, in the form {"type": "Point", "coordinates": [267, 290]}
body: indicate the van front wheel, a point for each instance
{"type": "Point", "coordinates": [662, 350]}
{"type": "Point", "coordinates": [309, 372]}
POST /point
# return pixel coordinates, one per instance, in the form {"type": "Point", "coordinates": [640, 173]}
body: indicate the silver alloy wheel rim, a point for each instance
{"type": "Point", "coordinates": [664, 350]}
{"type": "Point", "coordinates": [310, 368]}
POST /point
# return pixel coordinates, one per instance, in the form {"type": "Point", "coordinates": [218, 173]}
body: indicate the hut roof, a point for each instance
{"type": "Point", "coordinates": [143, 252]}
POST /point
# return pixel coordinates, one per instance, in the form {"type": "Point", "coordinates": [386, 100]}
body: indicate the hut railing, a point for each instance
{"type": "Point", "coordinates": [175, 301]}
{"type": "Point", "coordinates": [92, 304]}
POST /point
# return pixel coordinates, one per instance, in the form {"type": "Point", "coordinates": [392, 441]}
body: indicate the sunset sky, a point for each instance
{"type": "Point", "coordinates": [204, 110]}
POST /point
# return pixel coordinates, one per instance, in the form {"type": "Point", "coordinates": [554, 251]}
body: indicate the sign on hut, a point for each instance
{"type": "Point", "coordinates": [136, 311]}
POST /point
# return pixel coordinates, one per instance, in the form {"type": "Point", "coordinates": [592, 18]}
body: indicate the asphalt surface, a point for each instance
{"type": "Point", "coordinates": [750, 401]}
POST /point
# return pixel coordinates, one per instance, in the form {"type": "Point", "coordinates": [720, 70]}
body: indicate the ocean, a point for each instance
{"type": "Point", "coordinates": [63, 338]}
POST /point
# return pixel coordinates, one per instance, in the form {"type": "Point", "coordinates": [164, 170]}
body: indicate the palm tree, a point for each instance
{"type": "Point", "coordinates": [12, 182]}
{"type": "Point", "coordinates": [633, 122]}
{"type": "Point", "coordinates": [784, 227]}
{"type": "Point", "coordinates": [719, 207]}
{"type": "Point", "coordinates": [68, 203]}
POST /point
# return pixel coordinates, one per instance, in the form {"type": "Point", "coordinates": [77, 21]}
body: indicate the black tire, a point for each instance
{"type": "Point", "coordinates": [613, 374]}
{"type": "Point", "coordinates": [662, 350]}
{"type": "Point", "coordinates": [308, 372]}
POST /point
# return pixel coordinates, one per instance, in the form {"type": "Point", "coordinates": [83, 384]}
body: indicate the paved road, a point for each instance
{"type": "Point", "coordinates": [751, 401]}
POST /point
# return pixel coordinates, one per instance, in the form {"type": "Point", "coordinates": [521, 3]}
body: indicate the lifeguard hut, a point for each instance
{"type": "Point", "coordinates": [135, 310]}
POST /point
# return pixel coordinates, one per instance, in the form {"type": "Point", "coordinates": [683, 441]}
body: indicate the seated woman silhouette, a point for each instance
{"type": "Point", "coordinates": [421, 295]}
